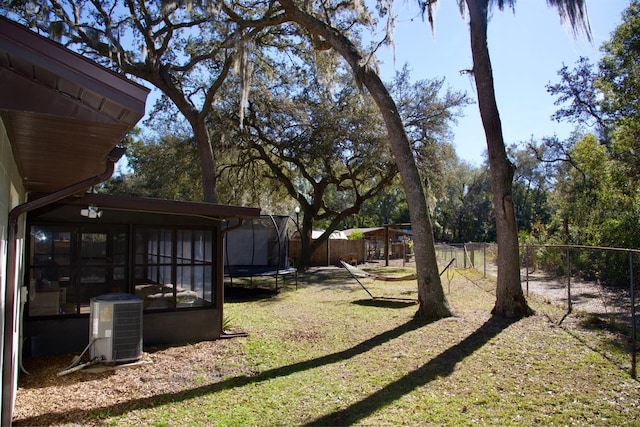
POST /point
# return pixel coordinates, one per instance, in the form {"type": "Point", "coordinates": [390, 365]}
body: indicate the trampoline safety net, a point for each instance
{"type": "Point", "coordinates": [257, 248]}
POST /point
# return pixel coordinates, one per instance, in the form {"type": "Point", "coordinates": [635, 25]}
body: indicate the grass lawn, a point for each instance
{"type": "Point", "coordinates": [326, 354]}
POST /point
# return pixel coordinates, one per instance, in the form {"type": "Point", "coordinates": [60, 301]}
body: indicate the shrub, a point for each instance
{"type": "Point", "coordinates": [356, 235]}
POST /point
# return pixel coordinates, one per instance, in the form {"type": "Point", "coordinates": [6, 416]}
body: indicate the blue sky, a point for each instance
{"type": "Point", "coordinates": [527, 49]}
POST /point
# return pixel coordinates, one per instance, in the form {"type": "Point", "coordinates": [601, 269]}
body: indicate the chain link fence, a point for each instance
{"type": "Point", "coordinates": [480, 256]}
{"type": "Point", "coordinates": [592, 292]}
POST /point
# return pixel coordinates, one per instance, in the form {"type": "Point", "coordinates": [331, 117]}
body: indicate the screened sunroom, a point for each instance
{"type": "Point", "coordinates": [167, 253]}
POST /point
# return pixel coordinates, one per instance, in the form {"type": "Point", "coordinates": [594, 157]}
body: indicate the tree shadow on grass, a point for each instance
{"type": "Point", "coordinates": [440, 366]}
{"type": "Point", "coordinates": [383, 302]}
{"type": "Point", "coordinates": [78, 415]}
{"type": "Point", "coordinates": [617, 341]}
{"type": "Point", "coordinates": [247, 293]}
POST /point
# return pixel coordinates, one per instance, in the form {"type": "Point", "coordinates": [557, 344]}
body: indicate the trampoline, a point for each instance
{"type": "Point", "coordinates": [258, 248]}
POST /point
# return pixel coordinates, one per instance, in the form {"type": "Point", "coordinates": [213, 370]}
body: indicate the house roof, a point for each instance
{"type": "Point", "coordinates": [335, 235]}
{"type": "Point", "coordinates": [63, 113]}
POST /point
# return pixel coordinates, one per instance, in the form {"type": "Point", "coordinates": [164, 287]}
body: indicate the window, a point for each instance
{"type": "Point", "coordinates": [50, 290]}
{"type": "Point", "coordinates": [70, 265]}
{"type": "Point", "coordinates": [194, 264]}
{"type": "Point", "coordinates": [103, 257]}
{"type": "Point", "coordinates": [174, 267]}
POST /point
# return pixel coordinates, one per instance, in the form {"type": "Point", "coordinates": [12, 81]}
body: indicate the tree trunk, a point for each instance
{"type": "Point", "coordinates": [207, 161]}
{"type": "Point", "coordinates": [198, 122]}
{"type": "Point", "coordinates": [433, 303]}
{"type": "Point", "coordinates": [510, 301]}
{"type": "Point", "coordinates": [306, 248]}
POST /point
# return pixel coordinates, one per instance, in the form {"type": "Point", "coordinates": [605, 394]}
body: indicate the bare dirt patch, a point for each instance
{"type": "Point", "coordinates": [44, 398]}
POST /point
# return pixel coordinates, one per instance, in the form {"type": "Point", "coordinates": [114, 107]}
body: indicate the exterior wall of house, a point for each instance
{"type": "Point", "coordinates": [71, 335]}
{"type": "Point", "coordinates": [12, 193]}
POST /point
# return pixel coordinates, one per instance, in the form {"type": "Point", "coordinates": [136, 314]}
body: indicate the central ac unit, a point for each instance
{"type": "Point", "coordinates": [116, 328]}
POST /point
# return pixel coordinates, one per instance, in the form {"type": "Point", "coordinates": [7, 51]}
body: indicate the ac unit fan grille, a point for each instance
{"type": "Point", "coordinates": [127, 330]}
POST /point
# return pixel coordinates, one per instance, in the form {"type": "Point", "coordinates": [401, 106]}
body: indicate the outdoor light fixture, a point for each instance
{"type": "Point", "coordinates": [91, 212]}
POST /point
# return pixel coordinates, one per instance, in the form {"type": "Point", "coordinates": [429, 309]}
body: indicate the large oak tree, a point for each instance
{"type": "Point", "coordinates": [321, 22]}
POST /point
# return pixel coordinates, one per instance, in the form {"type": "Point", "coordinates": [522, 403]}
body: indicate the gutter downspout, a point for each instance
{"type": "Point", "coordinates": [12, 304]}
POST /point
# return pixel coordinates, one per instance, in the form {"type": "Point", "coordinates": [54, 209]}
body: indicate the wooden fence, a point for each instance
{"type": "Point", "coordinates": [331, 254]}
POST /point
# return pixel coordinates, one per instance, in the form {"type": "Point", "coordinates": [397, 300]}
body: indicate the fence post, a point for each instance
{"type": "Point", "coordinates": [634, 345]}
{"type": "Point", "coordinates": [464, 254]}
{"type": "Point", "coordinates": [386, 245]}
{"type": "Point", "coordinates": [484, 260]}
{"type": "Point", "coordinates": [569, 305]}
